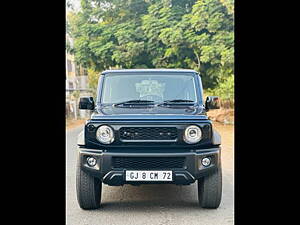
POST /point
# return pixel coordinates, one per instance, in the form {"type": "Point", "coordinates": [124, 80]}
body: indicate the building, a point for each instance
{"type": "Point", "coordinates": [76, 84]}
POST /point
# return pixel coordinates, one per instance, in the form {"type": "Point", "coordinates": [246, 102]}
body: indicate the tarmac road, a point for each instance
{"type": "Point", "coordinates": [151, 204]}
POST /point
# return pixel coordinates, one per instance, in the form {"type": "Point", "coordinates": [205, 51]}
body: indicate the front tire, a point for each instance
{"type": "Point", "coordinates": [88, 190]}
{"type": "Point", "coordinates": [210, 190]}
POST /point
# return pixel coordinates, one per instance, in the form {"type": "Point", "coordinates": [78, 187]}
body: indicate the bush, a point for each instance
{"type": "Point", "coordinates": [225, 90]}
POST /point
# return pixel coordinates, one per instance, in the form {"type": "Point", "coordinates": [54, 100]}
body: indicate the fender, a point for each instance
{"type": "Point", "coordinates": [216, 138]}
{"type": "Point", "coordinates": [81, 139]}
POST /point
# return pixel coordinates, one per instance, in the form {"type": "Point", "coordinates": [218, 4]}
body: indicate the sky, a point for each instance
{"type": "Point", "coordinates": [75, 3]}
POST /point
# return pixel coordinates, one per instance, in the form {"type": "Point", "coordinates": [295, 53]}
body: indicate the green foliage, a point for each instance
{"type": "Point", "coordinates": [225, 89]}
{"type": "Point", "coordinates": [93, 77]}
{"type": "Point", "coordinates": [196, 34]}
{"type": "Point", "coordinates": [75, 95]}
{"type": "Point", "coordinates": [209, 31]}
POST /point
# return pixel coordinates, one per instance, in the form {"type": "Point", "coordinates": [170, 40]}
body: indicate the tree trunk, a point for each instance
{"type": "Point", "coordinates": [198, 59]}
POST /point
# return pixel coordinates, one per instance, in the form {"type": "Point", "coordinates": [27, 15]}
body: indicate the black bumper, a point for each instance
{"type": "Point", "coordinates": [191, 170]}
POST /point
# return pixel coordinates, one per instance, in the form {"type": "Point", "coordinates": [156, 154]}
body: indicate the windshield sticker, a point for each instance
{"type": "Point", "coordinates": [150, 87]}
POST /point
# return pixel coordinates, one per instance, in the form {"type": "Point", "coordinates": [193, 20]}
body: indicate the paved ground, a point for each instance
{"type": "Point", "coordinates": [152, 204]}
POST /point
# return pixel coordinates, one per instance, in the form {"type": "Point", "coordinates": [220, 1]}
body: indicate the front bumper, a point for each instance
{"type": "Point", "coordinates": [191, 170]}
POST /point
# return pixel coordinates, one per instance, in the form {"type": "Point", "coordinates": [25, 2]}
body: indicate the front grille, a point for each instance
{"type": "Point", "coordinates": [148, 162]}
{"type": "Point", "coordinates": [148, 133]}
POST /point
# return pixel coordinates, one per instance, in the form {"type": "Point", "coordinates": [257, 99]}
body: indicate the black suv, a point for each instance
{"type": "Point", "coordinates": [149, 126]}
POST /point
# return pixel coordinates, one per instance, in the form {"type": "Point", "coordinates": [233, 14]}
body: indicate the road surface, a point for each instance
{"type": "Point", "coordinates": [151, 204]}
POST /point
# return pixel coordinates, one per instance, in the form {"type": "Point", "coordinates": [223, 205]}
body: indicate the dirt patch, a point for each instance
{"type": "Point", "coordinates": [71, 123]}
{"type": "Point", "coordinates": [224, 129]}
{"type": "Point", "coordinates": [225, 116]}
{"type": "Point", "coordinates": [227, 134]}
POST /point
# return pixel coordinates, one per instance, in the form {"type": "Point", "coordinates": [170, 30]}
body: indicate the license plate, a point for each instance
{"type": "Point", "coordinates": [148, 175]}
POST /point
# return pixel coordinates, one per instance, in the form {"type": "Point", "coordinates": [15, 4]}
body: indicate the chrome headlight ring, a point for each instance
{"type": "Point", "coordinates": [105, 134]}
{"type": "Point", "coordinates": [192, 134]}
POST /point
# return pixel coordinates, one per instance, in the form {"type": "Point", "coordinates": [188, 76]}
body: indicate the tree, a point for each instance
{"type": "Point", "coordinates": [195, 34]}
{"type": "Point", "coordinates": [209, 31]}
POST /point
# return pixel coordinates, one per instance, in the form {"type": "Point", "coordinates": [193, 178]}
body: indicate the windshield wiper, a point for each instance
{"type": "Point", "coordinates": [178, 101]}
{"type": "Point", "coordinates": [131, 102]}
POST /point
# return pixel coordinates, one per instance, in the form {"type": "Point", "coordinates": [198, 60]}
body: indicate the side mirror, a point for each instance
{"type": "Point", "coordinates": [86, 103]}
{"type": "Point", "coordinates": [212, 102]}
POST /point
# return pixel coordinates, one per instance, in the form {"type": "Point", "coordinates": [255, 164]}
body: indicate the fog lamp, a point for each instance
{"type": "Point", "coordinates": [205, 161]}
{"type": "Point", "coordinates": [91, 161]}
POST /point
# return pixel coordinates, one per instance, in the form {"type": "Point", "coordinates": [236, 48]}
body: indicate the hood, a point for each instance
{"type": "Point", "coordinates": [156, 112]}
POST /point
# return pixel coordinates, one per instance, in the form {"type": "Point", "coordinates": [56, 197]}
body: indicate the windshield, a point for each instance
{"type": "Point", "coordinates": [151, 87]}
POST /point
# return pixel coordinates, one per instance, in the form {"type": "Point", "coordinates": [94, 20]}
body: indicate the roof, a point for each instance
{"type": "Point", "coordinates": [148, 70]}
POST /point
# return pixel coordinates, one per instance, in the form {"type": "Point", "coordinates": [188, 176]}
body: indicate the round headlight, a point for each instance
{"type": "Point", "coordinates": [105, 134]}
{"type": "Point", "coordinates": [192, 134]}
